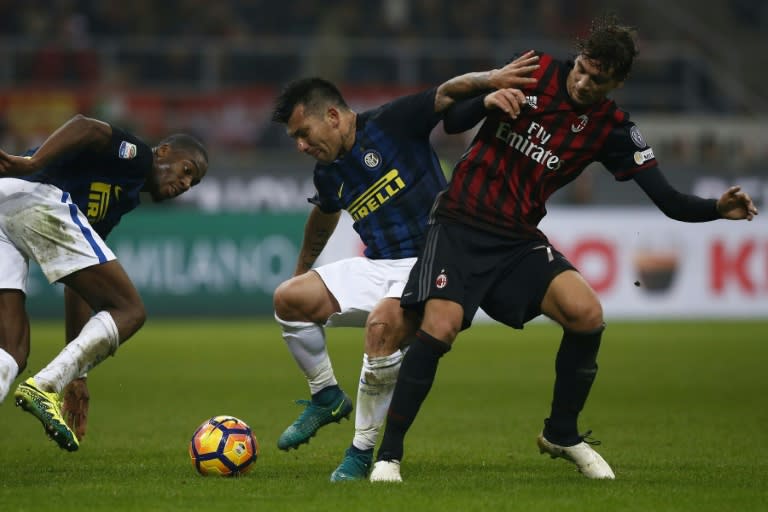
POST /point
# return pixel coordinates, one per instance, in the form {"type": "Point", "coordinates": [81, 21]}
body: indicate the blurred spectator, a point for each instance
{"type": "Point", "coordinates": [151, 57]}
{"type": "Point", "coordinates": [66, 54]}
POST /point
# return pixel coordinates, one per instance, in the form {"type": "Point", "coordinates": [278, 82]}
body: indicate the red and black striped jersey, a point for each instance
{"type": "Point", "coordinates": [513, 166]}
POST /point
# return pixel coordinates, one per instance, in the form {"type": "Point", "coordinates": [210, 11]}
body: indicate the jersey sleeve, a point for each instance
{"type": "Point", "coordinates": [412, 115]}
{"type": "Point", "coordinates": [325, 198]}
{"type": "Point", "coordinates": [465, 114]}
{"type": "Point", "coordinates": [626, 153]}
{"type": "Point", "coordinates": [130, 154]}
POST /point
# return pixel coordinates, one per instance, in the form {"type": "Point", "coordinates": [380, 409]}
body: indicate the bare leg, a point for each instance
{"type": "Point", "coordinates": [119, 314]}
{"type": "Point", "coordinates": [14, 338]}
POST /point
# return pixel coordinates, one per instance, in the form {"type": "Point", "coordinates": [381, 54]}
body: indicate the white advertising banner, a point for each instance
{"type": "Point", "coordinates": [645, 265]}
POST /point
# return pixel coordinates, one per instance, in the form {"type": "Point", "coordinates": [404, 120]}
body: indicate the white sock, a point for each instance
{"type": "Point", "coordinates": [374, 392]}
{"type": "Point", "coordinates": [9, 369]}
{"type": "Point", "coordinates": [306, 342]}
{"type": "Point", "coordinates": [98, 339]}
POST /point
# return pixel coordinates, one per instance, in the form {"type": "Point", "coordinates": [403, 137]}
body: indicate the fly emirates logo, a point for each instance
{"type": "Point", "coordinates": [532, 144]}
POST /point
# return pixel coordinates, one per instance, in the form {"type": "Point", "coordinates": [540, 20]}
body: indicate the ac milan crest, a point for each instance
{"type": "Point", "coordinates": [580, 123]}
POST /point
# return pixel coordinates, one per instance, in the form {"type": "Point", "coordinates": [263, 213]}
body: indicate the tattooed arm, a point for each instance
{"type": "Point", "coordinates": [513, 75]}
{"type": "Point", "coordinates": [317, 231]}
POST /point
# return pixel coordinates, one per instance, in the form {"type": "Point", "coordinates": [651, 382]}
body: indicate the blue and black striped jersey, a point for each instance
{"type": "Point", "coordinates": [105, 184]}
{"type": "Point", "coordinates": [389, 179]}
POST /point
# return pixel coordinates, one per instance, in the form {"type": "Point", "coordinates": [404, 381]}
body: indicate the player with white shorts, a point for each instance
{"type": "Point", "coordinates": [358, 284]}
{"type": "Point", "coordinates": [38, 221]}
{"type": "Point", "coordinates": [58, 203]}
{"type": "Point", "coordinates": [364, 293]}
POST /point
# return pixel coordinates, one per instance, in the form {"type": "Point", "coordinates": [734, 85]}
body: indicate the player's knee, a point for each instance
{"type": "Point", "coordinates": [583, 317]}
{"type": "Point", "coordinates": [382, 337]}
{"type": "Point", "coordinates": [285, 301]}
{"type": "Point", "coordinates": [297, 300]}
{"type": "Point", "coordinates": [444, 328]}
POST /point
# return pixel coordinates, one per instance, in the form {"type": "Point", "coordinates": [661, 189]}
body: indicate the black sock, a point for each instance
{"type": "Point", "coordinates": [575, 369]}
{"type": "Point", "coordinates": [413, 384]}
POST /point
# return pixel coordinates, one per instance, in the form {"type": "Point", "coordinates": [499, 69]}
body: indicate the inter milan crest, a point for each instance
{"type": "Point", "coordinates": [372, 159]}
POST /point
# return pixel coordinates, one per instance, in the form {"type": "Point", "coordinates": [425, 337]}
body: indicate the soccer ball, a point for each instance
{"type": "Point", "coordinates": [224, 446]}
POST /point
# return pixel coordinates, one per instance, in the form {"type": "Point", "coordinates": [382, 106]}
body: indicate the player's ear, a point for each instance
{"type": "Point", "coordinates": [333, 116]}
{"type": "Point", "coordinates": [163, 149]}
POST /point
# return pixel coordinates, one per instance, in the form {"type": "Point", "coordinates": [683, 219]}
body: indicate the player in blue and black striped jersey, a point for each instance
{"type": "Point", "coordinates": [380, 167]}
{"type": "Point", "coordinates": [484, 248]}
{"type": "Point", "coordinates": [58, 203]}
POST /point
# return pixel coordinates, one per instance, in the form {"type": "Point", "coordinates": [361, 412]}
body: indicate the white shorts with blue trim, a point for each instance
{"type": "Point", "coordinates": [360, 283]}
{"type": "Point", "coordinates": [39, 222]}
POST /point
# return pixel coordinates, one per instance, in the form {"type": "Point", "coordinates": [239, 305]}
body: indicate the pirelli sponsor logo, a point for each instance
{"type": "Point", "coordinates": [377, 194]}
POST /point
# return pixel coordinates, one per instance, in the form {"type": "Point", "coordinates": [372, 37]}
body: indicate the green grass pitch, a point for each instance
{"type": "Point", "coordinates": [681, 409]}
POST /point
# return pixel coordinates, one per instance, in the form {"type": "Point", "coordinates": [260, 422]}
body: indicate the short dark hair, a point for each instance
{"type": "Point", "coordinates": [611, 44]}
{"type": "Point", "coordinates": [314, 93]}
{"type": "Point", "coordinates": [186, 143]}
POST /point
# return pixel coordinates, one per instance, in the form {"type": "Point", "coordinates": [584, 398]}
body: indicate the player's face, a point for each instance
{"type": "Point", "coordinates": [174, 173]}
{"type": "Point", "coordinates": [316, 134]}
{"type": "Point", "coordinates": [587, 83]}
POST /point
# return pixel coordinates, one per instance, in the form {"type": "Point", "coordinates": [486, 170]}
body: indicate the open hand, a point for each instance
{"type": "Point", "coordinates": [75, 406]}
{"type": "Point", "coordinates": [735, 204]}
{"type": "Point", "coordinates": [516, 73]}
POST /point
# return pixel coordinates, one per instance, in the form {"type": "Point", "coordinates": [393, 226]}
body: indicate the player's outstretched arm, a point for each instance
{"type": "Point", "coordinates": [12, 165]}
{"type": "Point", "coordinates": [735, 204]}
{"type": "Point", "coordinates": [465, 114]}
{"type": "Point", "coordinates": [514, 75]}
{"type": "Point", "coordinates": [77, 134]}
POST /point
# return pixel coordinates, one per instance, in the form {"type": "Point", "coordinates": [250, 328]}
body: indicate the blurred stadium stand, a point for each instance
{"type": "Point", "coordinates": [212, 68]}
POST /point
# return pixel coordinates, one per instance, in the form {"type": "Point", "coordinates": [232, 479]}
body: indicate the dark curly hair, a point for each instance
{"type": "Point", "coordinates": [611, 44]}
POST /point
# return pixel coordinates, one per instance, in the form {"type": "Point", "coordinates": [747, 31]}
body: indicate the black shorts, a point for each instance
{"type": "Point", "coordinates": [506, 277]}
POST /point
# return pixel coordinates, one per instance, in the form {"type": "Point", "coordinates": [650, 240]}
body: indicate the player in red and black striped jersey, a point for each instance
{"type": "Point", "coordinates": [484, 247]}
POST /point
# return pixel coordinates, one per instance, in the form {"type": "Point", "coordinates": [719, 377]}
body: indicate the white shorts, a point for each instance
{"type": "Point", "coordinates": [359, 284]}
{"type": "Point", "coordinates": [39, 222]}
